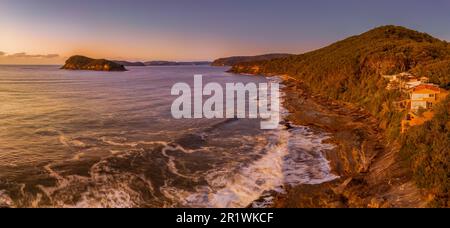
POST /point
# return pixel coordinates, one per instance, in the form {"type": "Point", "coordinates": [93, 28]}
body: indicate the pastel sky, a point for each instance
{"type": "Point", "coordinates": [48, 31]}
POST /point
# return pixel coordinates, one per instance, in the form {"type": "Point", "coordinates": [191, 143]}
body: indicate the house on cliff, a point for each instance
{"type": "Point", "coordinates": [404, 81]}
{"type": "Point", "coordinates": [421, 103]}
{"type": "Point", "coordinates": [424, 96]}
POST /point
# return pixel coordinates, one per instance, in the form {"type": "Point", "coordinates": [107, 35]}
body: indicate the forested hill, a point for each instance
{"type": "Point", "coordinates": [351, 70]}
{"type": "Point", "coordinates": [383, 50]}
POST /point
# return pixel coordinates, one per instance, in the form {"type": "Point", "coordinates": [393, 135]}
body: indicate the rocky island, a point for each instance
{"type": "Point", "coordinates": [78, 62]}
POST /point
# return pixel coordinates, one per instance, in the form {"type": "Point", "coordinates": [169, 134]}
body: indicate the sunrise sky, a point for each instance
{"type": "Point", "coordinates": [48, 31]}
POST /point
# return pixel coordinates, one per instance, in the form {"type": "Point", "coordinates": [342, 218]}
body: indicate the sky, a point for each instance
{"type": "Point", "coordinates": [49, 31]}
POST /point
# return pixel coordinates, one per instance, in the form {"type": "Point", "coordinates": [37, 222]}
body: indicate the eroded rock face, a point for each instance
{"type": "Point", "coordinates": [84, 63]}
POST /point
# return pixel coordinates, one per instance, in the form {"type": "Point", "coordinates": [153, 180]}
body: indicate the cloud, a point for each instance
{"type": "Point", "coordinates": [25, 55]}
{"type": "Point", "coordinates": [2, 53]}
{"type": "Point", "coordinates": [18, 55]}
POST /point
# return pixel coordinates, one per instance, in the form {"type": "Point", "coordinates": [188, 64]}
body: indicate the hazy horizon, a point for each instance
{"type": "Point", "coordinates": [49, 31]}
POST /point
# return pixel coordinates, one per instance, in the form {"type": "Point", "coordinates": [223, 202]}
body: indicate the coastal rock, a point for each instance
{"type": "Point", "coordinates": [84, 63]}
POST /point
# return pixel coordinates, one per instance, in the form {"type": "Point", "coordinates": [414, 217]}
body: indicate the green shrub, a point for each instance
{"type": "Point", "coordinates": [426, 149]}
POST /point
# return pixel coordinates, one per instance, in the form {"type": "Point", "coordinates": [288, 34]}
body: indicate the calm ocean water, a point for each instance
{"type": "Point", "coordinates": [94, 139]}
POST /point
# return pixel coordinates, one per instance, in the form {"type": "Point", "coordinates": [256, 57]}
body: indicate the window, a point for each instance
{"type": "Point", "coordinates": [409, 117]}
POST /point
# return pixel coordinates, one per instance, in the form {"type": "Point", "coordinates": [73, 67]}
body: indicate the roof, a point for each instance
{"type": "Point", "coordinates": [429, 87]}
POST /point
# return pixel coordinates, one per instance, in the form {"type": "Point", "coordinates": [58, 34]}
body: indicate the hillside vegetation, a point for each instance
{"type": "Point", "coordinates": [426, 149]}
{"type": "Point", "coordinates": [350, 70]}
{"type": "Point", "coordinates": [172, 63]}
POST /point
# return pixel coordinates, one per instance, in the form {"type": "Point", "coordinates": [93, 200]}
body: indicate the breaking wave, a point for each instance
{"type": "Point", "coordinates": [106, 143]}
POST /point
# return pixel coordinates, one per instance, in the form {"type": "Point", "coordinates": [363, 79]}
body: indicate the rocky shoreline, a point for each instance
{"type": "Point", "coordinates": [370, 175]}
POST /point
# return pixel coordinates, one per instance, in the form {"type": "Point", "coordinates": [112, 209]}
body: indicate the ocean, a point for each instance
{"type": "Point", "coordinates": [108, 139]}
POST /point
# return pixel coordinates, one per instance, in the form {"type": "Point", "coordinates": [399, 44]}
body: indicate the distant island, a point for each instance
{"type": "Point", "coordinates": [127, 63]}
{"type": "Point", "coordinates": [79, 62]}
{"type": "Point", "coordinates": [231, 61]}
{"type": "Point", "coordinates": [162, 63]}
{"type": "Point", "coordinates": [172, 63]}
